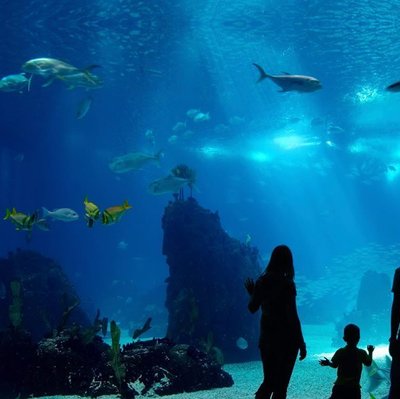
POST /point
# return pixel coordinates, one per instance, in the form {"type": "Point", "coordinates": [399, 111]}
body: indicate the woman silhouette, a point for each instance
{"type": "Point", "coordinates": [281, 337]}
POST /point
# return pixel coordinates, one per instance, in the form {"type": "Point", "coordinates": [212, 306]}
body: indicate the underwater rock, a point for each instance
{"type": "Point", "coordinates": [45, 295]}
{"type": "Point", "coordinates": [162, 367]}
{"type": "Point", "coordinates": [374, 295]}
{"type": "Point", "coordinates": [372, 310]}
{"type": "Point", "coordinates": [206, 299]}
{"type": "Point", "coordinates": [65, 364]}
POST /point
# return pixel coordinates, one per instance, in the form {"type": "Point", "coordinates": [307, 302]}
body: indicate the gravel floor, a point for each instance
{"type": "Point", "coordinates": [309, 381]}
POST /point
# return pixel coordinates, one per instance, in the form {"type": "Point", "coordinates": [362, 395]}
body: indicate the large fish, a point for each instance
{"type": "Point", "coordinates": [394, 87]}
{"type": "Point", "coordinates": [72, 76]}
{"type": "Point", "coordinates": [133, 161]}
{"type": "Point", "coordinates": [48, 67]}
{"type": "Point", "coordinates": [288, 82]}
{"type": "Point", "coordinates": [168, 184]}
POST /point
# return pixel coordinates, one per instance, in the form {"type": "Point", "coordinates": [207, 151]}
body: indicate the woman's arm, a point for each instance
{"type": "Point", "coordinates": [254, 291]}
{"type": "Point", "coordinates": [295, 322]}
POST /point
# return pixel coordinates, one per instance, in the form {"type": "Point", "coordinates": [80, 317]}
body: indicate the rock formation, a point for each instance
{"type": "Point", "coordinates": [45, 294]}
{"type": "Point", "coordinates": [206, 299]}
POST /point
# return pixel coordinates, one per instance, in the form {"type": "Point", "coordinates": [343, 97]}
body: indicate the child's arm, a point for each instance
{"type": "Point", "coordinates": [327, 362]}
{"type": "Point", "coordinates": [368, 360]}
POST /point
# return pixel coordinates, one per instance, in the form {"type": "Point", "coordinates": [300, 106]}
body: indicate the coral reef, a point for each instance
{"type": "Point", "coordinates": [66, 365]}
{"type": "Point", "coordinates": [37, 295]}
{"type": "Point", "coordinates": [48, 346]}
{"type": "Point", "coordinates": [206, 299]}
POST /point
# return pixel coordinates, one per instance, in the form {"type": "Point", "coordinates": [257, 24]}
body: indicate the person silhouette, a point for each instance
{"type": "Point", "coordinates": [349, 361]}
{"type": "Point", "coordinates": [394, 340]}
{"type": "Point", "coordinates": [281, 337]}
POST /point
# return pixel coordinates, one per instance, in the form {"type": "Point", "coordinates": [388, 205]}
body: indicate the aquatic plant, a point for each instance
{"type": "Point", "coordinates": [207, 345]}
{"type": "Point", "coordinates": [98, 325]}
{"type": "Point", "coordinates": [116, 363]}
{"type": "Point", "coordinates": [66, 313]}
{"type": "Point", "coordinates": [15, 309]}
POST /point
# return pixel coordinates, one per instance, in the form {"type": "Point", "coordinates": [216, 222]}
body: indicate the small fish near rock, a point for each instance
{"type": "Point", "coordinates": [168, 184]}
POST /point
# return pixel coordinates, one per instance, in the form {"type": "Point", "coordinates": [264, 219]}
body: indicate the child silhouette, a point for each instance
{"type": "Point", "coordinates": [349, 361]}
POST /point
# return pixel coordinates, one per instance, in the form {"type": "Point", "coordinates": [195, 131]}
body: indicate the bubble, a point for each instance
{"type": "Point", "coordinates": [241, 343]}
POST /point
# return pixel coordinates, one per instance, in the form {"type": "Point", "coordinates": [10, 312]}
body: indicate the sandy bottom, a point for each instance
{"type": "Point", "coordinates": [309, 380]}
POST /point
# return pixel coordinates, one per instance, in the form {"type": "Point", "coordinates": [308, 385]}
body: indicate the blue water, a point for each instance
{"type": "Point", "coordinates": [317, 171]}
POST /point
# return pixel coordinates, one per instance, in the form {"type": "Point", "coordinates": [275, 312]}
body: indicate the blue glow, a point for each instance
{"type": "Point", "coordinates": [259, 156]}
{"type": "Point", "coordinates": [212, 152]}
{"type": "Point", "coordinates": [294, 141]}
{"type": "Point", "coordinates": [358, 147]}
{"type": "Point", "coordinates": [366, 94]}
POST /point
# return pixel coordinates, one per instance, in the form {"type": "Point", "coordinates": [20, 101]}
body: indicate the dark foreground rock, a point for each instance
{"type": "Point", "coordinates": [46, 294]}
{"type": "Point", "coordinates": [67, 365]}
{"type": "Point", "coordinates": [165, 368]}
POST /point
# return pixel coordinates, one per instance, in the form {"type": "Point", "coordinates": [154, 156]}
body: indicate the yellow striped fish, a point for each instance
{"type": "Point", "coordinates": [20, 220]}
{"type": "Point", "coordinates": [114, 213]}
{"type": "Point", "coordinates": [92, 212]}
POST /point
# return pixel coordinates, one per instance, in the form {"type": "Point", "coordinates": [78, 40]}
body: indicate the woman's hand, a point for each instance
{"type": "Point", "coordinates": [249, 285]}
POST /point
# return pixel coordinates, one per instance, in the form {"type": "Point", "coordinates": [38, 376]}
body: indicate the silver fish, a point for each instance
{"type": "Point", "coordinates": [288, 82]}
{"type": "Point", "coordinates": [201, 117]}
{"type": "Point", "coordinates": [17, 82]}
{"type": "Point", "coordinates": [168, 184]}
{"type": "Point", "coordinates": [48, 67]}
{"type": "Point", "coordinates": [62, 214]}
{"type": "Point", "coordinates": [133, 161]}
{"type": "Point", "coordinates": [72, 76]}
